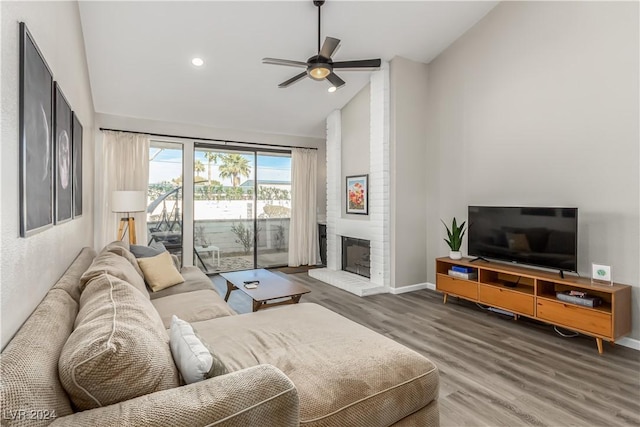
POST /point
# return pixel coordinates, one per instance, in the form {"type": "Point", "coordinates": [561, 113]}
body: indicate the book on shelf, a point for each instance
{"type": "Point", "coordinates": [467, 276]}
{"type": "Point", "coordinates": [462, 269]}
{"type": "Point", "coordinates": [585, 300]}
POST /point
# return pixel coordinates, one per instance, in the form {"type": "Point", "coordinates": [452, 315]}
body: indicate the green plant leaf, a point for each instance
{"type": "Point", "coordinates": [455, 234]}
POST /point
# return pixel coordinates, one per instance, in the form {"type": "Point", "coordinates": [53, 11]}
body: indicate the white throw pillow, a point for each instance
{"type": "Point", "coordinates": [192, 357]}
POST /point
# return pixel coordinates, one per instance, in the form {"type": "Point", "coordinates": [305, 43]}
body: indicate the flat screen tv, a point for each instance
{"type": "Point", "coordinates": [538, 236]}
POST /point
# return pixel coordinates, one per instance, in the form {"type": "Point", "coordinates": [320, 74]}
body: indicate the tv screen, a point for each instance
{"type": "Point", "coordinates": [539, 236]}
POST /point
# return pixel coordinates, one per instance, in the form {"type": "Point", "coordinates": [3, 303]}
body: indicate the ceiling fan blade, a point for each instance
{"type": "Point", "coordinates": [287, 62]}
{"type": "Point", "coordinates": [293, 80]}
{"type": "Point", "coordinates": [329, 47]}
{"type": "Point", "coordinates": [363, 63]}
{"type": "Point", "coordinates": [336, 81]}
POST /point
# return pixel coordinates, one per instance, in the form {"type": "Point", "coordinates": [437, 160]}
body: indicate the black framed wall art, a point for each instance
{"type": "Point", "coordinates": [63, 152]}
{"type": "Point", "coordinates": [36, 138]}
{"type": "Point", "coordinates": [76, 158]}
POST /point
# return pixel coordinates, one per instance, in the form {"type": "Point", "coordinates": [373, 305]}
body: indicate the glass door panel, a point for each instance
{"type": "Point", "coordinates": [224, 226]}
{"type": "Point", "coordinates": [164, 196]}
{"type": "Point", "coordinates": [273, 208]}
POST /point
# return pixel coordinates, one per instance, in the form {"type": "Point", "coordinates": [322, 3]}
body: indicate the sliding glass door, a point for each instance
{"type": "Point", "coordinates": [238, 224]}
{"type": "Point", "coordinates": [223, 209]}
{"type": "Point", "coordinates": [164, 195]}
{"type": "Point", "coordinates": [273, 208]}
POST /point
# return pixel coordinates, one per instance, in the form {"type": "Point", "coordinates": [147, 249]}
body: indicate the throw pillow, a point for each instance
{"type": "Point", "coordinates": [155, 248]}
{"type": "Point", "coordinates": [160, 272]}
{"type": "Point", "coordinates": [119, 348]}
{"type": "Point", "coordinates": [195, 361]}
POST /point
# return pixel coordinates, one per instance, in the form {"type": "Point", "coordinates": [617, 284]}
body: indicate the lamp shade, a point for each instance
{"type": "Point", "coordinates": [128, 201]}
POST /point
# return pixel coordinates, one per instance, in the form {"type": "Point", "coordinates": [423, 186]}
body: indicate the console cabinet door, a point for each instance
{"type": "Point", "coordinates": [575, 317]}
{"type": "Point", "coordinates": [507, 299]}
{"type": "Point", "coordinates": [455, 286]}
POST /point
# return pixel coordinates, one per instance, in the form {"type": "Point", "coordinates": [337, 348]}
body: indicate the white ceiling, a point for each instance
{"type": "Point", "coordinates": [139, 56]}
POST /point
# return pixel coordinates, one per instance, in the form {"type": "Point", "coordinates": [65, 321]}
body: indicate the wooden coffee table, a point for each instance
{"type": "Point", "coordinates": [271, 287]}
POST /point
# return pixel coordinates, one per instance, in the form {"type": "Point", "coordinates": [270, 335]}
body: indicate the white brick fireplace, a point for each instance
{"type": "Point", "coordinates": [376, 229]}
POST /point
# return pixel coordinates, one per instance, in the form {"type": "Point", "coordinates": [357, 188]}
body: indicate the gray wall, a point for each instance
{"type": "Point", "coordinates": [30, 266]}
{"type": "Point", "coordinates": [538, 105]}
{"type": "Point", "coordinates": [408, 135]}
{"type": "Point", "coordinates": [355, 117]}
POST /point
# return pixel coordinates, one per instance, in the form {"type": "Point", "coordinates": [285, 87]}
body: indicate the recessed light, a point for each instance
{"type": "Point", "coordinates": [198, 62]}
{"type": "Point", "coordinates": [332, 89]}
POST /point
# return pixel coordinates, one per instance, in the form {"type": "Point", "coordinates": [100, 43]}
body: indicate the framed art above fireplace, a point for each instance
{"type": "Point", "coordinates": [357, 192]}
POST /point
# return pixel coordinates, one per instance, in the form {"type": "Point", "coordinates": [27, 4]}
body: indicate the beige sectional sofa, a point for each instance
{"type": "Point", "coordinates": [297, 365]}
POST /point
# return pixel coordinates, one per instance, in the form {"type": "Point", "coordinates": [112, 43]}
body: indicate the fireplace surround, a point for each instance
{"type": "Point", "coordinates": [375, 226]}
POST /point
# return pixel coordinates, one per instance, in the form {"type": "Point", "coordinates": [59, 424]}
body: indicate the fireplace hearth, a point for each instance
{"type": "Point", "coordinates": [356, 256]}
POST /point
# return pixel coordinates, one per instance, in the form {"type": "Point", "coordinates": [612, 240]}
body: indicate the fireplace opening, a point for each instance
{"type": "Point", "coordinates": [356, 256]}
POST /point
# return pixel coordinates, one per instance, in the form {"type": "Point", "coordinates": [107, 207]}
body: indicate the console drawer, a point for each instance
{"type": "Point", "coordinates": [575, 317]}
{"type": "Point", "coordinates": [455, 286]}
{"type": "Point", "coordinates": [507, 299]}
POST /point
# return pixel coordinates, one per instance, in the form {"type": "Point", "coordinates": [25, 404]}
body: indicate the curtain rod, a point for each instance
{"type": "Point", "coordinates": [162, 135]}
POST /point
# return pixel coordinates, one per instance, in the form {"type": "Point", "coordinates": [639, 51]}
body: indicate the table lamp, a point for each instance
{"type": "Point", "coordinates": [127, 202]}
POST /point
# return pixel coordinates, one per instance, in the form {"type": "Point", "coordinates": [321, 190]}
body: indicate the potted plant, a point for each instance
{"type": "Point", "coordinates": [454, 241]}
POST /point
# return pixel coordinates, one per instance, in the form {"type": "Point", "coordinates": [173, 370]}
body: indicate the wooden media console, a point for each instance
{"type": "Point", "coordinates": [532, 293]}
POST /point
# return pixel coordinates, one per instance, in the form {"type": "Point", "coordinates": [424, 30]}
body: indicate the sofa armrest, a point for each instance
{"type": "Point", "coordinates": [260, 395]}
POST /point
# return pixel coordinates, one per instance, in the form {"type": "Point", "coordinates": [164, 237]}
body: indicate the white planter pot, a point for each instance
{"type": "Point", "coordinates": [455, 254]}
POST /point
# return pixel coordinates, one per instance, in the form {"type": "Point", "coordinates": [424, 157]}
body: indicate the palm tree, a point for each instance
{"type": "Point", "coordinates": [234, 166]}
{"type": "Point", "coordinates": [198, 167]}
{"type": "Point", "coordinates": [212, 159]}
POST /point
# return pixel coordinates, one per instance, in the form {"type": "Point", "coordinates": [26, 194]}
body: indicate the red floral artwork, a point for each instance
{"type": "Point", "coordinates": [356, 195]}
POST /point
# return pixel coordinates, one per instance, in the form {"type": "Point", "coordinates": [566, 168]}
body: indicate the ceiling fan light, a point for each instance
{"type": "Point", "coordinates": [319, 71]}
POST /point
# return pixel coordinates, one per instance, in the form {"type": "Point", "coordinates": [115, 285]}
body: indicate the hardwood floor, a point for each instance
{"type": "Point", "coordinates": [494, 371]}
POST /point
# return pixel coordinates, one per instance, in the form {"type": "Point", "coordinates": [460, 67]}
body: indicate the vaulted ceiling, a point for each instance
{"type": "Point", "coordinates": [139, 56]}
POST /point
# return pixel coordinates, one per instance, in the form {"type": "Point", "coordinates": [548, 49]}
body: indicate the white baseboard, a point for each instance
{"type": "Point", "coordinates": [629, 342]}
{"type": "Point", "coordinates": [411, 288]}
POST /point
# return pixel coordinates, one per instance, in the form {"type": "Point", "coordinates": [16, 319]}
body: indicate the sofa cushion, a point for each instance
{"type": "Point", "coordinates": [119, 348]}
{"type": "Point", "coordinates": [192, 306]}
{"type": "Point", "coordinates": [160, 272]}
{"type": "Point", "coordinates": [155, 248]}
{"type": "Point", "coordinates": [115, 265]}
{"type": "Point", "coordinates": [29, 369]}
{"type": "Point", "coordinates": [122, 248]}
{"type": "Point", "coordinates": [345, 373]}
{"type": "Point", "coordinates": [70, 280]}
{"type": "Point", "coordinates": [195, 360]}
{"type": "Point", "coordinates": [194, 280]}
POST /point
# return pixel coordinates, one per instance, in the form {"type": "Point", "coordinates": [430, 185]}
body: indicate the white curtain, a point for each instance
{"type": "Point", "coordinates": [125, 166]}
{"type": "Point", "coordinates": [303, 229]}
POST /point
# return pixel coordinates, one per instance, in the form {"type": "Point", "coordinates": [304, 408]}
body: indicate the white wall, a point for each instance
{"type": "Point", "coordinates": [408, 142]}
{"type": "Point", "coordinates": [538, 105]}
{"type": "Point", "coordinates": [31, 266]}
{"type": "Point", "coordinates": [355, 143]}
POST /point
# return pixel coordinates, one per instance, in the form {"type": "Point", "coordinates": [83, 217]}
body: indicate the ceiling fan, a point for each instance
{"type": "Point", "coordinates": [321, 66]}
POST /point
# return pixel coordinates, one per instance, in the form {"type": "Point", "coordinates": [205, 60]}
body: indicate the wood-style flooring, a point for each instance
{"type": "Point", "coordinates": [494, 371]}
